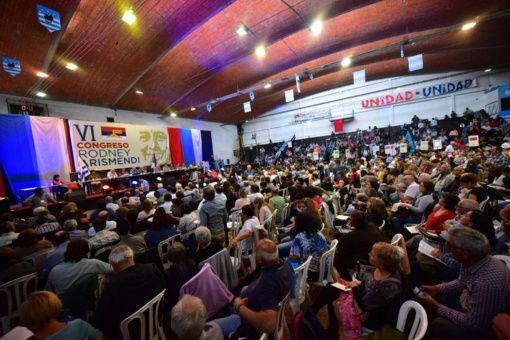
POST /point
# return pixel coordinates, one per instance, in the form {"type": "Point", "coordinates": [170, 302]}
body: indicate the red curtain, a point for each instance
{"type": "Point", "coordinates": [338, 125]}
{"type": "Point", "coordinates": [174, 140]}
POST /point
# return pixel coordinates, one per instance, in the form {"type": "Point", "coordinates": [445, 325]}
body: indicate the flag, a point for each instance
{"type": "Point", "coordinates": [11, 66]}
{"type": "Point", "coordinates": [154, 162]}
{"type": "Point", "coordinates": [282, 148]}
{"type": "Point", "coordinates": [82, 170]}
{"type": "Point", "coordinates": [412, 147]}
{"type": "Point", "coordinates": [48, 18]}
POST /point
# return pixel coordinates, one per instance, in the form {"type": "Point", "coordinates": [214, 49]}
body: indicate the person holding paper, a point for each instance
{"type": "Point", "coordinates": [483, 285]}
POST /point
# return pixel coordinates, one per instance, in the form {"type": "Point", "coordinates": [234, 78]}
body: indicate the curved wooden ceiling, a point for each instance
{"type": "Point", "coordinates": [182, 53]}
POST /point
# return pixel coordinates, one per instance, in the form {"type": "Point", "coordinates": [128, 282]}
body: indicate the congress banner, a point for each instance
{"type": "Point", "coordinates": [104, 146]}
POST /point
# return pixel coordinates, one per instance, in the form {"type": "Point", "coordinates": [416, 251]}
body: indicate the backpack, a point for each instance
{"type": "Point", "coordinates": [306, 326]}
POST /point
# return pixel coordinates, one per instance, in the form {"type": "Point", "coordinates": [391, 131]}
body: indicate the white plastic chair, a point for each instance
{"type": "Point", "coordinates": [281, 324]}
{"type": "Point", "coordinates": [395, 239]}
{"type": "Point", "coordinates": [420, 322]}
{"type": "Point", "coordinates": [503, 258]}
{"type": "Point", "coordinates": [326, 265]}
{"type": "Point", "coordinates": [285, 214]}
{"type": "Point", "coordinates": [328, 216]}
{"type": "Point", "coordinates": [483, 204]}
{"type": "Point", "coordinates": [13, 294]}
{"type": "Point", "coordinates": [300, 285]}
{"type": "Point", "coordinates": [163, 248]}
{"type": "Point", "coordinates": [153, 327]}
{"type": "Point", "coordinates": [381, 227]}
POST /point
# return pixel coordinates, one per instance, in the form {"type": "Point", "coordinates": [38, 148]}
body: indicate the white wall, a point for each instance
{"type": "Point", "coordinates": [224, 137]}
{"type": "Point", "coordinates": [279, 124]}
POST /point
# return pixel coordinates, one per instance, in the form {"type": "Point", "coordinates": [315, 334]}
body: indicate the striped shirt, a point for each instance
{"type": "Point", "coordinates": [485, 292]}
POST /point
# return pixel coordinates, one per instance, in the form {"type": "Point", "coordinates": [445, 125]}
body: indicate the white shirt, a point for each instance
{"type": "Point", "coordinates": [449, 148]}
{"type": "Point", "coordinates": [167, 205]}
{"type": "Point", "coordinates": [7, 238]}
{"type": "Point", "coordinates": [112, 207]}
{"type": "Point", "coordinates": [142, 215]}
{"type": "Point", "coordinates": [221, 198]}
{"type": "Point", "coordinates": [413, 190]}
{"type": "Point", "coordinates": [252, 197]}
{"type": "Point", "coordinates": [249, 226]}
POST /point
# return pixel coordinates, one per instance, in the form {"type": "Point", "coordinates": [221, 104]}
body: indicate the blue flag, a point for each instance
{"type": "Point", "coordinates": [48, 18]}
{"type": "Point", "coordinates": [11, 66]}
{"type": "Point", "coordinates": [412, 147]}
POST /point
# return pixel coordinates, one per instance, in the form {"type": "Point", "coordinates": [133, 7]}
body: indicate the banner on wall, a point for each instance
{"type": "Point", "coordinates": [104, 146]}
{"type": "Point", "coordinates": [419, 93]}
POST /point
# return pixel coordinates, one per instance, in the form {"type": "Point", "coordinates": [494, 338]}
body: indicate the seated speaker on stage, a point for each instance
{"type": "Point", "coordinates": [112, 174]}
{"type": "Point", "coordinates": [58, 188]}
{"type": "Point", "coordinates": [38, 199]}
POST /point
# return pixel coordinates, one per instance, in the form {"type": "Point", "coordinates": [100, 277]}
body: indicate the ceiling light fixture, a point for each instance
{"type": "Point", "coordinates": [242, 30]}
{"type": "Point", "coordinates": [173, 114]}
{"type": "Point", "coordinates": [192, 108]}
{"type": "Point", "coordinates": [41, 74]}
{"type": "Point", "coordinates": [346, 62]}
{"type": "Point", "coordinates": [71, 66]}
{"type": "Point", "coordinates": [129, 17]}
{"type": "Point", "coordinates": [139, 92]}
{"type": "Point", "coordinates": [260, 51]}
{"type": "Point", "coordinates": [316, 27]}
{"type": "Point", "coordinates": [267, 86]}
{"type": "Point", "coordinates": [468, 25]}
{"type": "Point", "coordinates": [487, 70]}
{"type": "Point", "coordinates": [41, 94]}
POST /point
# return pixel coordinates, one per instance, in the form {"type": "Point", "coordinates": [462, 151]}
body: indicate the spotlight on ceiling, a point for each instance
{"type": "Point", "coordinates": [192, 108]}
{"type": "Point", "coordinates": [316, 27]}
{"type": "Point", "coordinates": [242, 30]}
{"type": "Point", "coordinates": [71, 66]}
{"type": "Point", "coordinates": [140, 92]}
{"type": "Point", "coordinates": [173, 114]}
{"type": "Point", "coordinates": [41, 74]}
{"type": "Point", "coordinates": [346, 62]}
{"type": "Point", "coordinates": [487, 70]}
{"type": "Point", "coordinates": [260, 51]}
{"type": "Point", "coordinates": [41, 94]}
{"type": "Point", "coordinates": [129, 17]}
{"type": "Point", "coordinates": [468, 25]}
{"type": "Point", "coordinates": [267, 86]}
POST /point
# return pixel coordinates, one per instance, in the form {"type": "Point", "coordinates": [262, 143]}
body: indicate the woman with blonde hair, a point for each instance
{"type": "Point", "coordinates": [41, 312]}
{"type": "Point", "coordinates": [262, 210]}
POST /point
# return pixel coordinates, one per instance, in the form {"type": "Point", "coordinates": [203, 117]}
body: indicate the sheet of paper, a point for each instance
{"type": "Point", "coordinates": [340, 286]}
{"type": "Point", "coordinates": [413, 229]}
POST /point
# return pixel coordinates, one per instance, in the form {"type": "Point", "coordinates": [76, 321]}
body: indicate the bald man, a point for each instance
{"type": "Point", "coordinates": [257, 307]}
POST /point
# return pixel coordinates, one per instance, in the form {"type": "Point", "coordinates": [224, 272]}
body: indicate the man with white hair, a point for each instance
{"type": "Point", "coordinates": [257, 306]}
{"type": "Point", "coordinates": [189, 321]}
{"type": "Point", "coordinates": [131, 286]}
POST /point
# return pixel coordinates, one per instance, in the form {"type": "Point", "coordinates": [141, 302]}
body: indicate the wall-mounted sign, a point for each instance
{"type": "Point", "coordinates": [420, 93]}
{"type": "Point", "coordinates": [318, 114]}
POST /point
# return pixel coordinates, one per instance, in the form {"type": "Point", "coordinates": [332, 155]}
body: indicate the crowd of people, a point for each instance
{"type": "Point", "coordinates": [426, 226]}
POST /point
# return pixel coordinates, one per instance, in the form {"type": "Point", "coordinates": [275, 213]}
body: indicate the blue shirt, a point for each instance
{"type": "Point", "coordinates": [56, 256]}
{"type": "Point", "coordinates": [307, 244]}
{"type": "Point", "coordinates": [154, 236]}
{"type": "Point", "coordinates": [77, 329]}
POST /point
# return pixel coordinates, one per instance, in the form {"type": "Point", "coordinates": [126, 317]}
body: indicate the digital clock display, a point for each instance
{"type": "Point", "coordinates": [31, 109]}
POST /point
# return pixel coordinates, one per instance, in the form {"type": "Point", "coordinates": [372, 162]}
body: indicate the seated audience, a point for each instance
{"type": "Point", "coordinates": [376, 211]}
{"type": "Point", "coordinates": [257, 306]}
{"type": "Point", "coordinates": [375, 292]}
{"type": "Point", "coordinates": [135, 242]}
{"type": "Point", "coordinates": [469, 183]}
{"type": "Point", "coordinates": [71, 227]}
{"type": "Point", "coordinates": [130, 287]}
{"type": "Point", "coordinates": [355, 245]}
{"type": "Point", "coordinates": [189, 318]}
{"type": "Point", "coordinates": [444, 211]}
{"type": "Point", "coordinates": [242, 200]}
{"type": "Point", "coordinates": [188, 221]}
{"type": "Point", "coordinates": [250, 224]}
{"type": "Point", "coordinates": [483, 285]}
{"type": "Point", "coordinates": [308, 241]}
{"type": "Point", "coordinates": [182, 268]}
{"type": "Point", "coordinates": [413, 213]}
{"type": "Point", "coordinates": [28, 243]}
{"type": "Point", "coordinates": [41, 313]}
{"type": "Point", "coordinates": [76, 265]}
{"type": "Point", "coordinates": [60, 241]}
{"type": "Point", "coordinates": [102, 236]}
{"type": "Point", "coordinates": [11, 267]}
{"type": "Point", "coordinates": [502, 244]}
{"type": "Point", "coordinates": [161, 229]}
{"type": "Point", "coordinates": [147, 211]}
{"type": "Point", "coordinates": [9, 233]}
{"type": "Point", "coordinates": [207, 246]}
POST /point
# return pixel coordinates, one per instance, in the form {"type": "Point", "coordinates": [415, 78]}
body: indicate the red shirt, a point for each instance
{"type": "Point", "coordinates": [436, 221]}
